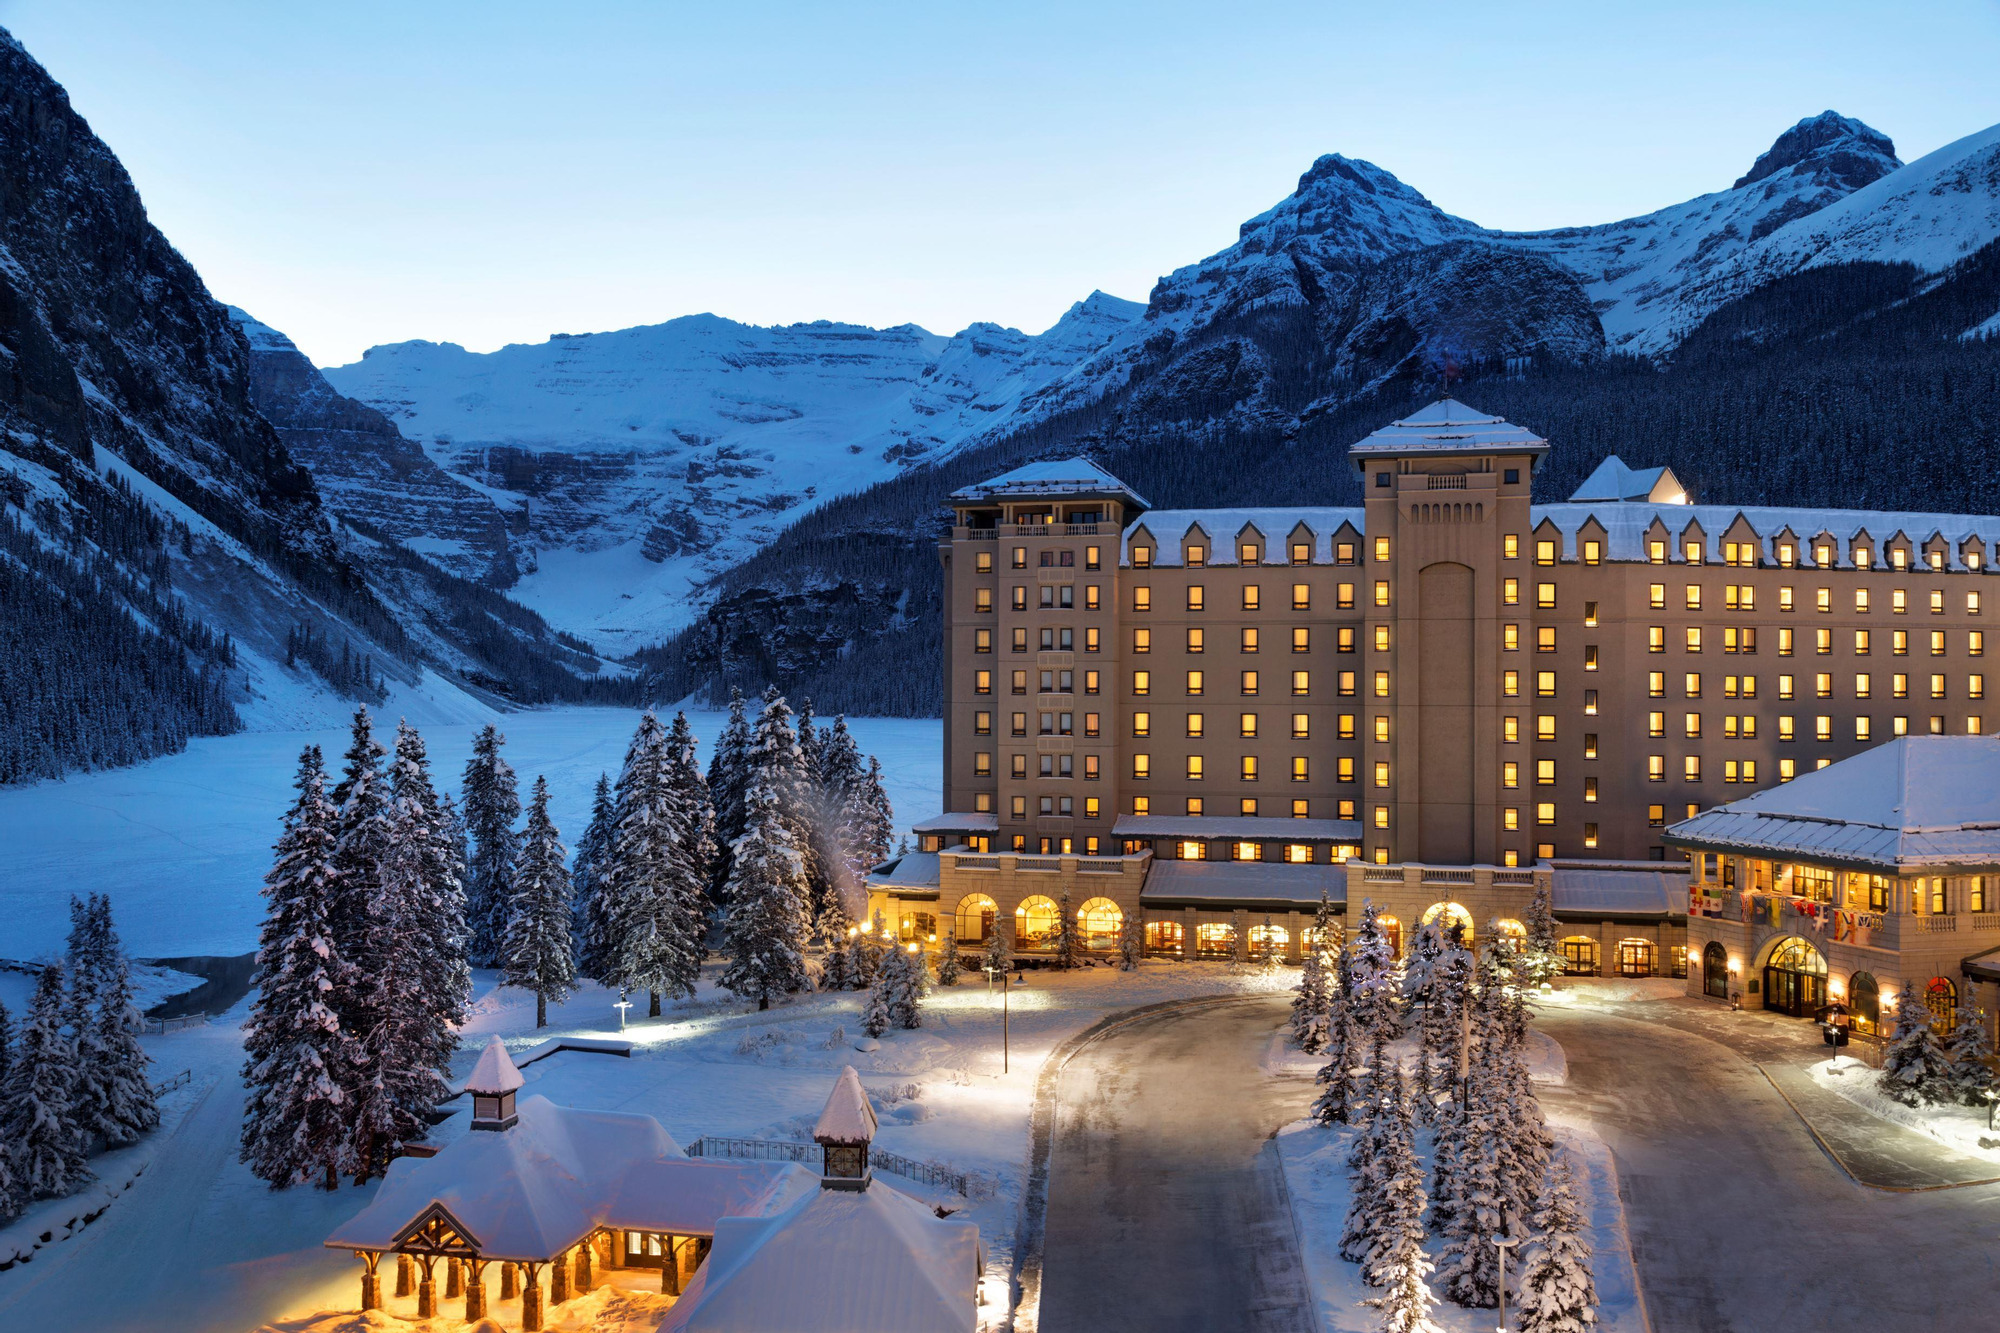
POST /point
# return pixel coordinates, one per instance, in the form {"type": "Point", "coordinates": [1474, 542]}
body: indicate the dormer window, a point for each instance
{"type": "Point", "coordinates": [1823, 554]}
{"type": "Point", "coordinates": [1142, 557]}
{"type": "Point", "coordinates": [1196, 556]}
{"type": "Point", "coordinates": [1246, 553]}
{"type": "Point", "coordinates": [1788, 554]}
{"type": "Point", "coordinates": [1899, 558]}
{"type": "Point", "coordinates": [1972, 558]}
{"type": "Point", "coordinates": [1861, 557]}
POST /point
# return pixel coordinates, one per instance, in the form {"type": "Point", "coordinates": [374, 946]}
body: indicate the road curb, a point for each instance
{"type": "Point", "coordinates": [1849, 1171]}
{"type": "Point", "coordinates": [1029, 1230]}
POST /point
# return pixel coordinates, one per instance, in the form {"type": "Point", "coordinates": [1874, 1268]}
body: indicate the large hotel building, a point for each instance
{"type": "Point", "coordinates": [1208, 717]}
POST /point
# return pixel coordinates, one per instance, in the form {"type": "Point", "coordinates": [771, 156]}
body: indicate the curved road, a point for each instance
{"type": "Point", "coordinates": [1165, 1209]}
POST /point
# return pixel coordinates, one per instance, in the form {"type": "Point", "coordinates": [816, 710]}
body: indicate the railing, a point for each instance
{"type": "Point", "coordinates": [1038, 863]}
{"type": "Point", "coordinates": [162, 1026]}
{"type": "Point", "coordinates": [1517, 877]}
{"type": "Point", "coordinates": [1100, 865]}
{"type": "Point", "coordinates": [785, 1150]}
{"type": "Point", "coordinates": [1938, 924]}
{"type": "Point", "coordinates": [1080, 529]}
{"type": "Point", "coordinates": [982, 534]}
{"type": "Point", "coordinates": [1986, 920]}
{"type": "Point", "coordinates": [1442, 875]}
{"type": "Point", "coordinates": [1454, 481]}
{"type": "Point", "coordinates": [180, 1080]}
{"type": "Point", "coordinates": [1374, 875]}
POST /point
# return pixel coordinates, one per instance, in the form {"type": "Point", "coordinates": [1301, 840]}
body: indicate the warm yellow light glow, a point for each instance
{"type": "Point", "coordinates": [912, 948]}
{"type": "Point", "coordinates": [1735, 964]}
{"type": "Point", "coordinates": [852, 931]}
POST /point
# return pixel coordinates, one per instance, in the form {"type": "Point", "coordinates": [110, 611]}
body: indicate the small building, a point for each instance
{"type": "Point", "coordinates": [1850, 882]}
{"type": "Point", "coordinates": [540, 1188]}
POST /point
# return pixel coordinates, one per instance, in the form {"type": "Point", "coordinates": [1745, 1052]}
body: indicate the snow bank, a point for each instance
{"type": "Point", "coordinates": [1960, 1127]}
{"type": "Point", "coordinates": [1314, 1161]}
{"type": "Point", "coordinates": [1612, 990]}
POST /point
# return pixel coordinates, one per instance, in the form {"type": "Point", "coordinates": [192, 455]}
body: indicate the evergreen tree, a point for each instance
{"type": "Point", "coordinates": [1369, 1156]}
{"type": "Point", "coordinates": [1468, 1264]}
{"type": "Point", "coordinates": [909, 980]}
{"type": "Point", "coordinates": [1969, 1050]}
{"type": "Point", "coordinates": [535, 948]}
{"type": "Point", "coordinates": [1420, 966]}
{"type": "Point", "coordinates": [1371, 978]}
{"type": "Point", "coordinates": [880, 1014]}
{"type": "Point", "coordinates": [361, 841]}
{"type": "Point", "coordinates": [1396, 1228]}
{"type": "Point", "coordinates": [868, 823]}
{"type": "Point", "coordinates": [37, 1108]}
{"type": "Point", "coordinates": [1335, 1104]}
{"type": "Point", "coordinates": [644, 942]}
{"type": "Point", "coordinates": [1312, 1010]}
{"type": "Point", "coordinates": [947, 965]}
{"type": "Point", "coordinates": [85, 966]}
{"type": "Point", "coordinates": [728, 782]}
{"type": "Point", "coordinates": [1447, 1180]}
{"type": "Point", "coordinates": [300, 1065]}
{"type": "Point", "coordinates": [765, 929]}
{"type": "Point", "coordinates": [694, 856]}
{"type": "Point", "coordinates": [586, 873]}
{"type": "Point", "coordinates": [492, 803]}
{"type": "Point", "coordinates": [126, 1107]}
{"type": "Point", "coordinates": [1131, 944]}
{"type": "Point", "coordinates": [1558, 1294]}
{"type": "Point", "coordinates": [1540, 960]}
{"type": "Point", "coordinates": [996, 951]}
{"type": "Point", "coordinates": [1915, 1070]}
{"type": "Point", "coordinates": [1066, 941]}
{"type": "Point", "coordinates": [12, 1197]}
{"type": "Point", "coordinates": [433, 926]}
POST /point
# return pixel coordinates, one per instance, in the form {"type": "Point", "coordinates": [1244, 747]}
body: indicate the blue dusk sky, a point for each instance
{"type": "Point", "coordinates": [484, 173]}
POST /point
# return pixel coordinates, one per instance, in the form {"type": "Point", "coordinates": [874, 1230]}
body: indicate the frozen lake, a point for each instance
{"type": "Point", "coordinates": [182, 843]}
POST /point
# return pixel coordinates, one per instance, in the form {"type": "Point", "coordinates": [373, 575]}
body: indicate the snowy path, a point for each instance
{"type": "Point", "coordinates": [1166, 1208]}
{"type": "Point", "coordinates": [1739, 1223]}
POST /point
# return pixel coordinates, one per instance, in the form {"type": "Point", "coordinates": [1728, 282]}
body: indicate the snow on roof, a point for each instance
{"type": "Point", "coordinates": [1236, 826]}
{"type": "Point", "coordinates": [954, 822]}
{"type": "Point", "coordinates": [914, 870]}
{"type": "Point", "coordinates": [1069, 476]}
{"type": "Point", "coordinates": [1170, 527]}
{"type": "Point", "coordinates": [1608, 888]}
{"type": "Point", "coordinates": [1449, 426]}
{"type": "Point", "coordinates": [873, 1259]}
{"type": "Point", "coordinates": [1915, 802]}
{"type": "Point", "coordinates": [531, 1192]}
{"type": "Point", "coordinates": [1626, 525]}
{"type": "Point", "coordinates": [848, 1118]}
{"type": "Point", "coordinates": [1242, 882]}
{"type": "Point", "coordinates": [495, 1073]}
{"type": "Point", "coordinates": [1614, 481]}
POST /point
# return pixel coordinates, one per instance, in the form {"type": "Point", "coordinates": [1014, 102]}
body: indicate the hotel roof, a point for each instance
{"type": "Point", "coordinates": [1449, 427]}
{"type": "Point", "coordinates": [1055, 477]}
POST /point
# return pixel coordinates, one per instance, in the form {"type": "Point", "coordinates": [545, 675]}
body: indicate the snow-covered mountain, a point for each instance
{"type": "Point", "coordinates": [636, 464]}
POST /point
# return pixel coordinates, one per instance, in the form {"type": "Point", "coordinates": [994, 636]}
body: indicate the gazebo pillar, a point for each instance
{"type": "Point", "coordinates": [454, 1280]}
{"type": "Point", "coordinates": [475, 1291]}
{"type": "Point", "coordinates": [510, 1284]}
{"type": "Point", "coordinates": [583, 1258]}
{"type": "Point", "coordinates": [531, 1298]}
{"type": "Point", "coordinates": [427, 1291]}
{"type": "Point", "coordinates": [403, 1274]}
{"type": "Point", "coordinates": [371, 1281]}
{"type": "Point", "coordinates": [559, 1279]}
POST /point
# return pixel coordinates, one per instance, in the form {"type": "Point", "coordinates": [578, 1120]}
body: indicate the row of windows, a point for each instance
{"type": "Point", "coordinates": [1250, 639]}
{"type": "Point", "coordinates": [1051, 559]}
{"type": "Point", "coordinates": [1248, 806]}
{"type": "Point", "coordinates": [1249, 683]}
{"type": "Point", "coordinates": [1743, 597]}
{"type": "Point", "coordinates": [1196, 598]}
{"type": "Point", "coordinates": [1247, 768]}
{"type": "Point", "coordinates": [1195, 555]}
{"type": "Point", "coordinates": [1938, 684]}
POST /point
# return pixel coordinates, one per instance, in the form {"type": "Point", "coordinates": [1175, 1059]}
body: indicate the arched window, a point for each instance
{"type": "Point", "coordinates": [1269, 941]}
{"type": "Point", "coordinates": [1579, 956]}
{"type": "Point", "coordinates": [1635, 958]}
{"type": "Point", "coordinates": [1335, 935]}
{"type": "Point", "coordinates": [1215, 939]}
{"type": "Point", "coordinates": [1864, 1002]}
{"type": "Point", "coordinates": [1715, 970]}
{"type": "Point", "coordinates": [1392, 930]}
{"type": "Point", "coordinates": [1795, 955]}
{"type": "Point", "coordinates": [1449, 915]}
{"type": "Point", "coordinates": [1941, 998]}
{"type": "Point", "coordinates": [1509, 929]}
{"type": "Point", "coordinates": [1795, 978]}
{"type": "Point", "coordinates": [1099, 920]}
{"type": "Point", "coordinates": [917, 927]}
{"type": "Point", "coordinates": [976, 915]}
{"type": "Point", "coordinates": [1166, 937]}
{"type": "Point", "coordinates": [1035, 924]}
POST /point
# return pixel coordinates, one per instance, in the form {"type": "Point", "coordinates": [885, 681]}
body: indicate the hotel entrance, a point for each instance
{"type": "Point", "coordinates": [1795, 979]}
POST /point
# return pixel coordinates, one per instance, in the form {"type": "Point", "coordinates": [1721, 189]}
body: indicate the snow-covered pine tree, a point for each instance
{"type": "Point", "coordinates": [129, 1107]}
{"type": "Point", "coordinates": [694, 855]}
{"type": "Point", "coordinates": [1540, 962]}
{"type": "Point", "coordinates": [1310, 1005]}
{"type": "Point", "coordinates": [1397, 1228]}
{"type": "Point", "coordinates": [1131, 943]}
{"type": "Point", "coordinates": [1420, 963]}
{"type": "Point", "coordinates": [587, 877]}
{"type": "Point", "coordinates": [1066, 941]}
{"type": "Point", "coordinates": [362, 832]}
{"type": "Point", "coordinates": [728, 781]}
{"type": "Point", "coordinates": [1468, 1264]}
{"type": "Point", "coordinates": [1371, 978]}
{"type": "Point", "coordinates": [879, 1015]}
{"type": "Point", "coordinates": [911, 980]}
{"type": "Point", "coordinates": [947, 964]}
{"type": "Point", "coordinates": [535, 947]}
{"type": "Point", "coordinates": [12, 1197]}
{"type": "Point", "coordinates": [765, 929]}
{"type": "Point", "coordinates": [84, 965]}
{"type": "Point", "coordinates": [492, 802]}
{"type": "Point", "coordinates": [996, 952]}
{"type": "Point", "coordinates": [1447, 1150]}
{"type": "Point", "coordinates": [434, 925]}
{"type": "Point", "coordinates": [838, 766]}
{"type": "Point", "coordinates": [6, 1046]}
{"type": "Point", "coordinates": [636, 915]}
{"type": "Point", "coordinates": [1915, 1070]}
{"type": "Point", "coordinates": [1368, 1155]}
{"type": "Point", "coordinates": [300, 1065]}
{"type": "Point", "coordinates": [867, 823]}
{"type": "Point", "coordinates": [1558, 1293]}
{"type": "Point", "coordinates": [1969, 1050]}
{"type": "Point", "coordinates": [37, 1107]}
{"type": "Point", "coordinates": [1335, 1103]}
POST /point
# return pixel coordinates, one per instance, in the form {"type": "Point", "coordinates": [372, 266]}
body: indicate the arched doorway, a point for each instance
{"type": "Point", "coordinates": [1941, 998]}
{"type": "Point", "coordinates": [975, 917]}
{"type": "Point", "coordinates": [1715, 971]}
{"type": "Point", "coordinates": [1268, 942]}
{"type": "Point", "coordinates": [1166, 937]}
{"type": "Point", "coordinates": [1635, 958]}
{"type": "Point", "coordinates": [1794, 978]}
{"type": "Point", "coordinates": [1579, 954]}
{"type": "Point", "coordinates": [1035, 924]}
{"type": "Point", "coordinates": [1099, 921]}
{"type": "Point", "coordinates": [1449, 917]}
{"type": "Point", "coordinates": [1392, 931]}
{"type": "Point", "coordinates": [1864, 1002]}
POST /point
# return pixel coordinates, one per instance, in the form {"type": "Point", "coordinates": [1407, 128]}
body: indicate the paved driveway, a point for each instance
{"type": "Point", "coordinates": [1166, 1210]}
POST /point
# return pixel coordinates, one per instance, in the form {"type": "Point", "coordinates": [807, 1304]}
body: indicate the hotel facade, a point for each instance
{"type": "Point", "coordinates": [1436, 699]}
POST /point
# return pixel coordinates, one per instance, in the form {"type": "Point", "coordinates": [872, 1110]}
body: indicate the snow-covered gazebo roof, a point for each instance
{"type": "Point", "coordinates": [495, 1073]}
{"type": "Point", "coordinates": [872, 1259]}
{"type": "Point", "coordinates": [848, 1117]}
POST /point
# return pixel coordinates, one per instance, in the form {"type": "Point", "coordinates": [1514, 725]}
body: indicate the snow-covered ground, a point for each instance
{"type": "Point", "coordinates": [1960, 1127]}
{"type": "Point", "coordinates": [182, 843]}
{"type": "Point", "coordinates": [1315, 1162]}
{"type": "Point", "coordinates": [1543, 1056]}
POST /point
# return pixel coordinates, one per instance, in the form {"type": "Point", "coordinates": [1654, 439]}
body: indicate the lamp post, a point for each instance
{"type": "Point", "coordinates": [621, 1006]}
{"type": "Point", "coordinates": [990, 971]}
{"type": "Point", "coordinates": [1501, 1244]}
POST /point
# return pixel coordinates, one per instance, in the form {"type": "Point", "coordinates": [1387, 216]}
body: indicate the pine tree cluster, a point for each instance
{"type": "Point", "coordinates": [75, 1082]}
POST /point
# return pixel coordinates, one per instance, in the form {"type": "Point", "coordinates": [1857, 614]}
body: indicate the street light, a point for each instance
{"type": "Point", "coordinates": [1501, 1244]}
{"type": "Point", "coordinates": [990, 970]}
{"type": "Point", "coordinates": [621, 1005]}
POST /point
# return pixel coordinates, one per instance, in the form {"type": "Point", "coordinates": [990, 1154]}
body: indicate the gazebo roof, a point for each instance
{"type": "Point", "coordinates": [536, 1190]}
{"type": "Point", "coordinates": [495, 1073]}
{"type": "Point", "coordinates": [848, 1117]}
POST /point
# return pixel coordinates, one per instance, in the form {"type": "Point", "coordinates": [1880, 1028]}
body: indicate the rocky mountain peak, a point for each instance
{"type": "Point", "coordinates": [1838, 150]}
{"type": "Point", "coordinates": [1350, 205]}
